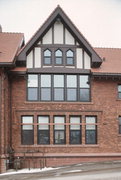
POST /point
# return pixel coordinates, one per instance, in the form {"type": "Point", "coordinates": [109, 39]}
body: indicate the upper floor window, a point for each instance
{"type": "Point", "coordinates": [69, 57]}
{"type": "Point", "coordinates": [58, 57]}
{"type": "Point", "coordinates": [119, 91]}
{"type": "Point", "coordinates": [47, 57]}
{"type": "Point", "coordinates": [58, 87]}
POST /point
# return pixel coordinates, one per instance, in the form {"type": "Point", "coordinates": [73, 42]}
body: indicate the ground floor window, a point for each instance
{"type": "Point", "coordinates": [27, 134]}
{"type": "Point", "coordinates": [58, 129]}
{"type": "Point", "coordinates": [91, 130]}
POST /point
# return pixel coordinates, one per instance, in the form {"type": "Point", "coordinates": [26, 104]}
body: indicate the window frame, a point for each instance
{"type": "Point", "coordinates": [62, 57]}
{"type": "Point", "coordinates": [70, 57]}
{"type": "Point", "coordinates": [44, 129]}
{"type": "Point", "coordinates": [80, 130]}
{"type": "Point", "coordinates": [45, 64]}
{"type": "Point", "coordinates": [65, 88]}
{"type": "Point", "coordinates": [90, 124]}
{"type": "Point", "coordinates": [60, 130]}
{"type": "Point", "coordinates": [22, 124]}
{"type": "Point", "coordinates": [119, 92]}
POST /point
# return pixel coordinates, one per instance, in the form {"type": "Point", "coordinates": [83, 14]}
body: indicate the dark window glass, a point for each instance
{"type": "Point", "coordinates": [32, 94]}
{"type": "Point", "coordinates": [47, 57]}
{"type": "Point", "coordinates": [59, 130]}
{"type": "Point", "coordinates": [91, 130]}
{"type": "Point", "coordinates": [69, 57]}
{"type": "Point", "coordinates": [75, 130]}
{"type": "Point", "coordinates": [119, 91]}
{"type": "Point", "coordinates": [58, 57]}
{"type": "Point", "coordinates": [43, 130]}
{"type": "Point", "coordinates": [32, 87]}
{"type": "Point", "coordinates": [84, 88]}
{"type": "Point", "coordinates": [45, 94]}
{"type": "Point", "coordinates": [58, 94]}
{"type": "Point", "coordinates": [27, 136]}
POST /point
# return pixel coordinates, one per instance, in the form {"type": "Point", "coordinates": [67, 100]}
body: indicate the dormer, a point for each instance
{"type": "Point", "coordinates": [59, 46]}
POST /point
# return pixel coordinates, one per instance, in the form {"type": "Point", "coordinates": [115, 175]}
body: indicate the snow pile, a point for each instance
{"type": "Point", "coordinates": [27, 171]}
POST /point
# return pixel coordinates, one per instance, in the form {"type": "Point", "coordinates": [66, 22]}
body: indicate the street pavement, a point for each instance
{"type": "Point", "coordinates": [85, 171]}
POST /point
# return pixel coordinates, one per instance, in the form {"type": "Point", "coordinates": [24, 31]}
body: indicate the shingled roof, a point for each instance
{"type": "Point", "coordinates": [111, 61]}
{"type": "Point", "coordinates": [10, 43]}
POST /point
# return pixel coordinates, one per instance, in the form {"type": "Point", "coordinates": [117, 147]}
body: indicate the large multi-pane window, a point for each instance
{"type": "Point", "coordinates": [59, 130]}
{"type": "Point", "coordinates": [91, 130]}
{"type": "Point", "coordinates": [43, 130]}
{"type": "Point", "coordinates": [58, 87]}
{"type": "Point", "coordinates": [27, 135]}
{"type": "Point", "coordinates": [75, 130]}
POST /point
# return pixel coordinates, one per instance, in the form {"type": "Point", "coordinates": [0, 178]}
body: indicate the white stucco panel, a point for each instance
{"type": "Point", "coordinates": [87, 61]}
{"type": "Point", "coordinates": [79, 58]}
{"type": "Point", "coordinates": [58, 33]}
{"type": "Point", "coordinates": [37, 58]}
{"type": "Point", "coordinates": [69, 38]}
{"type": "Point", "coordinates": [47, 39]}
{"type": "Point", "coordinates": [30, 60]}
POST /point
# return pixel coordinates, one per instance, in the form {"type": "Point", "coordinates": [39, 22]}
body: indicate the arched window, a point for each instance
{"type": "Point", "coordinates": [47, 57]}
{"type": "Point", "coordinates": [70, 57]}
{"type": "Point", "coordinates": [58, 57]}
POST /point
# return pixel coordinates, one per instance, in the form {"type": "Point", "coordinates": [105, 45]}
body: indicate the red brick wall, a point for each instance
{"type": "Point", "coordinates": [104, 105]}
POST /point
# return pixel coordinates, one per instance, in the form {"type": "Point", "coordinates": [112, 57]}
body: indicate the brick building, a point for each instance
{"type": "Point", "coordinates": [60, 98]}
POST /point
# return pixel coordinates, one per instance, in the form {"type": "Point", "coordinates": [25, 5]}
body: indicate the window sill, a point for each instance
{"type": "Point", "coordinates": [57, 102]}
{"type": "Point", "coordinates": [62, 145]}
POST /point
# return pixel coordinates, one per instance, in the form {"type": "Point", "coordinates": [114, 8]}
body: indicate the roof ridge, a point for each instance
{"type": "Point", "coordinates": [107, 48]}
{"type": "Point", "coordinates": [11, 33]}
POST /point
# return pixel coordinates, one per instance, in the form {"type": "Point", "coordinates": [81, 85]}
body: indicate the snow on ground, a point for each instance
{"type": "Point", "coordinates": [27, 171]}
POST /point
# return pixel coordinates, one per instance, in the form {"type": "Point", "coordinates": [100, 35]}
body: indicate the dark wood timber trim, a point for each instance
{"type": "Point", "coordinates": [58, 70]}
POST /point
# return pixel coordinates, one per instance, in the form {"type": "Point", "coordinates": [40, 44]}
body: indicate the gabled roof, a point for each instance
{"type": "Point", "coordinates": [10, 43]}
{"type": "Point", "coordinates": [111, 61]}
{"type": "Point", "coordinates": [59, 13]}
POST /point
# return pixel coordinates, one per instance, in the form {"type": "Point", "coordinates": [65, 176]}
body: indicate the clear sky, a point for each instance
{"type": "Point", "coordinates": [98, 20]}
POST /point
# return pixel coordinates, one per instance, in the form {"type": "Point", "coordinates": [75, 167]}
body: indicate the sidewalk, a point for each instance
{"type": "Point", "coordinates": [65, 171]}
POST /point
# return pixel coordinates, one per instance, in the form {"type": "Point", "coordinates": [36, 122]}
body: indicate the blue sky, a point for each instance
{"type": "Point", "coordinates": [98, 20]}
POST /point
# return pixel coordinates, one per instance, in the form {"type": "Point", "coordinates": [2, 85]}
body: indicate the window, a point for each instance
{"type": "Point", "coordinates": [91, 130]}
{"type": "Point", "coordinates": [32, 87]}
{"type": "Point", "coordinates": [43, 130]}
{"type": "Point", "coordinates": [58, 87]}
{"type": "Point", "coordinates": [69, 57]}
{"type": "Point", "coordinates": [84, 88]}
{"type": "Point", "coordinates": [45, 88]}
{"type": "Point", "coordinates": [58, 57]}
{"type": "Point", "coordinates": [59, 130]}
{"type": "Point", "coordinates": [27, 137]}
{"type": "Point", "coordinates": [75, 130]}
{"type": "Point", "coordinates": [47, 57]}
{"type": "Point", "coordinates": [71, 87]}
{"type": "Point", "coordinates": [119, 91]}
